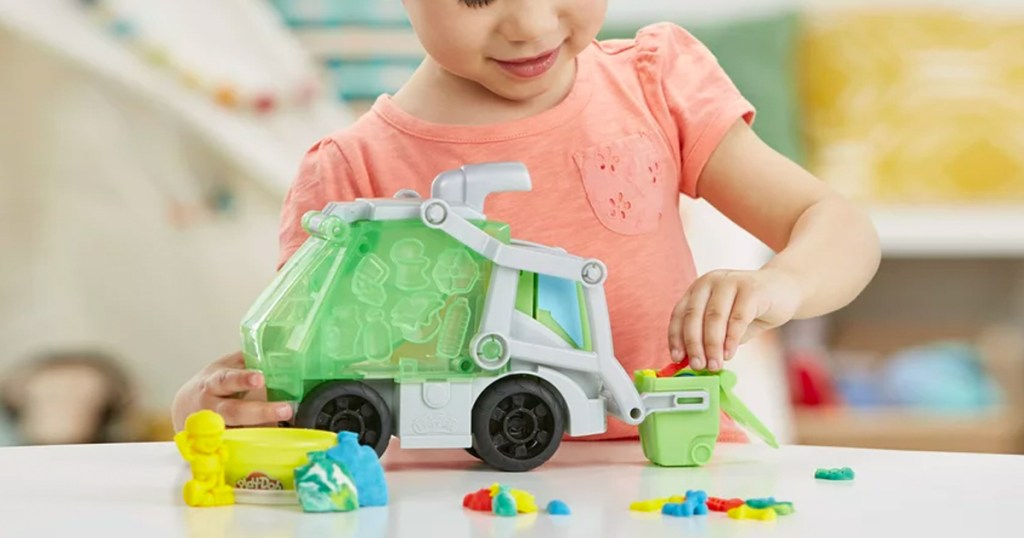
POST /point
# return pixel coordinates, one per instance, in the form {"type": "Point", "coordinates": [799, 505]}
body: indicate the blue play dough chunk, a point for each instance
{"type": "Point", "coordinates": [696, 504]}
{"type": "Point", "coordinates": [558, 508]}
{"type": "Point", "coordinates": [676, 509]}
{"type": "Point", "coordinates": [360, 463]}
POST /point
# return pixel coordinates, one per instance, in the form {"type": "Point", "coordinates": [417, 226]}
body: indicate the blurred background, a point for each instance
{"type": "Point", "coordinates": [145, 149]}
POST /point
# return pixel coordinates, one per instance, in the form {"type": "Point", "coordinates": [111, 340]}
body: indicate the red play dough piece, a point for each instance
{"type": "Point", "coordinates": [716, 504]}
{"type": "Point", "coordinates": [673, 368]}
{"type": "Point", "coordinates": [478, 500]}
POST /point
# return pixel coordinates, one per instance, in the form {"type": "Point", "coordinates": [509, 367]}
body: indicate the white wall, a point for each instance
{"type": "Point", "coordinates": [88, 256]}
{"type": "Point", "coordinates": [96, 148]}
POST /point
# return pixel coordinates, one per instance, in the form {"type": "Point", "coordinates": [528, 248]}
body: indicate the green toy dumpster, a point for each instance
{"type": "Point", "coordinates": [686, 437]}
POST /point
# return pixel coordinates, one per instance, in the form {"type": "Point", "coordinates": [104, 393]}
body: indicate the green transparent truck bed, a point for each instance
{"type": "Point", "coordinates": [394, 300]}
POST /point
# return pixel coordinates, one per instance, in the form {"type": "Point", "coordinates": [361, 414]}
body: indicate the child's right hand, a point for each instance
{"type": "Point", "coordinates": [233, 392]}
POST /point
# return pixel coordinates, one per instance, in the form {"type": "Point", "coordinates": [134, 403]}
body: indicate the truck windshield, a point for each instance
{"type": "Point", "coordinates": [559, 298]}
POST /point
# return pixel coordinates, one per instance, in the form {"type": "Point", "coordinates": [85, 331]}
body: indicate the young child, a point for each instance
{"type": "Point", "coordinates": [611, 133]}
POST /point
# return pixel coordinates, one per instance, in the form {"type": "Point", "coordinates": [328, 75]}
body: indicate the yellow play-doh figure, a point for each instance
{"type": "Point", "coordinates": [201, 443]}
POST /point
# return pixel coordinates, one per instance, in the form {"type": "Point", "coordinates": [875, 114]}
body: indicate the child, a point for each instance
{"type": "Point", "coordinates": [611, 133]}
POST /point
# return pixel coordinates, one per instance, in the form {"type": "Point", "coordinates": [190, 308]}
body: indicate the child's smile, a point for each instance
{"type": "Point", "coordinates": [531, 66]}
{"type": "Point", "coordinates": [518, 50]}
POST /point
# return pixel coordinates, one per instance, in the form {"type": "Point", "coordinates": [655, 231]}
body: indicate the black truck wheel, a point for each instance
{"type": "Point", "coordinates": [517, 424]}
{"type": "Point", "coordinates": [348, 406]}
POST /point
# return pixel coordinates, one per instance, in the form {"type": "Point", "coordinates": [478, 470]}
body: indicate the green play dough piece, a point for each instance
{"type": "Point", "coordinates": [323, 486]}
{"type": "Point", "coordinates": [504, 504]}
{"type": "Point", "coordinates": [844, 473]}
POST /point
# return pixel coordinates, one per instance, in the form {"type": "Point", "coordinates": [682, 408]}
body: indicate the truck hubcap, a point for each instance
{"type": "Point", "coordinates": [349, 413]}
{"type": "Point", "coordinates": [522, 424]}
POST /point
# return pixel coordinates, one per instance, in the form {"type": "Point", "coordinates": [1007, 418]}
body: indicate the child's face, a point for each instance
{"type": "Point", "coordinates": [517, 49]}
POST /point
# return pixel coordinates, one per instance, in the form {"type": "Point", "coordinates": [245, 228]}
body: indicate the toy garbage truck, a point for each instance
{"type": "Point", "coordinates": [423, 319]}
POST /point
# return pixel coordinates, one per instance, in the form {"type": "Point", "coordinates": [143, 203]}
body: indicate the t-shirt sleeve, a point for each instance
{"type": "Point", "coordinates": [325, 175]}
{"type": "Point", "coordinates": [692, 97]}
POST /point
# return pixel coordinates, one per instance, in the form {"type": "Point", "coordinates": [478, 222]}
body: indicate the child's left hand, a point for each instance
{"type": "Point", "coordinates": [723, 309]}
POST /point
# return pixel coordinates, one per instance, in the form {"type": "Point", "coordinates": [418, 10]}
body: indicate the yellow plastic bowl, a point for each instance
{"type": "Point", "coordinates": [264, 458]}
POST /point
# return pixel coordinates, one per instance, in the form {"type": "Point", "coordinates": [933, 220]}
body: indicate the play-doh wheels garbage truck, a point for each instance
{"type": "Point", "coordinates": [423, 319]}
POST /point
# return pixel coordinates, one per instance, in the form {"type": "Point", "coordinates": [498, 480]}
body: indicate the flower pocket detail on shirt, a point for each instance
{"type": "Point", "coordinates": [624, 183]}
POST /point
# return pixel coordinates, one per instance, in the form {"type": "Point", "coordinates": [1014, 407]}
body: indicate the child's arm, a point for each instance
{"type": "Point", "coordinates": [217, 388]}
{"type": "Point", "coordinates": [827, 251]}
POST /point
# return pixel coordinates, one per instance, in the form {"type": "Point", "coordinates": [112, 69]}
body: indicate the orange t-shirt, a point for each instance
{"type": "Point", "coordinates": [607, 166]}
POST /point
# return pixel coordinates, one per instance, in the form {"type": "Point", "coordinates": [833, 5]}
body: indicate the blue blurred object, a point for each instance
{"type": "Point", "coordinates": [331, 13]}
{"type": "Point", "coordinates": [558, 508]}
{"type": "Point", "coordinates": [374, 64]}
{"type": "Point", "coordinates": [860, 389]}
{"type": "Point", "coordinates": [946, 376]}
{"type": "Point", "coordinates": [8, 435]}
{"type": "Point", "coordinates": [368, 78]}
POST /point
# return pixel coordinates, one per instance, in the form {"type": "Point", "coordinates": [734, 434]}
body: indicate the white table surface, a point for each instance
{"type": "Point", "coordinates": [134, 490]}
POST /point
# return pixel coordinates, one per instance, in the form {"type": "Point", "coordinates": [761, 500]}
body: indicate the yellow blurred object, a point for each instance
{"type": "Point", "coordinates": [915, 105]}
{"type": "Point", "coordinates": [154, 426]}
{"type": "Point", "coordinates": [226, 96]}
{"type": "Point", "coordinates": [655, 505]}
{"type": "Point", "coordinates": [201, 444]}
{"type": "Point", "coordinates": [746, 512]}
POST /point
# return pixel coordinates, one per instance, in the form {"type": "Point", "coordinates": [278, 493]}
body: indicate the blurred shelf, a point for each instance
{"type": "Point", "coordinates": [361, 42]}
{"type": "Point", "coordinates": [641, 13]}
{"type": "Point", "coordinates": [339, 13]}
{"type": "Point", "coordinates": [366, 79]}
{"type": "Point", "coordinates": [267, 148]}
{"type": "Point", "coordinates": [1000, 431]}
{"type": "Point", "coordinates": [953, 231]}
